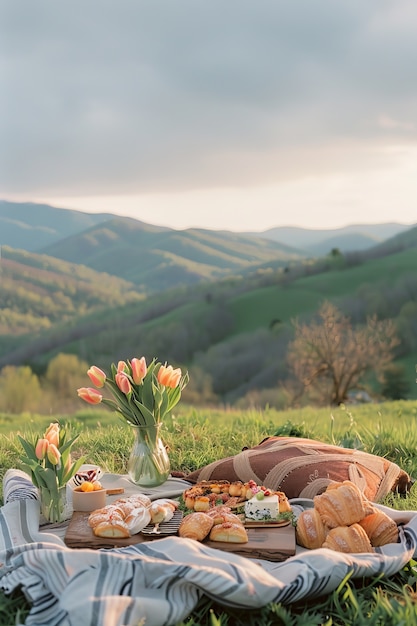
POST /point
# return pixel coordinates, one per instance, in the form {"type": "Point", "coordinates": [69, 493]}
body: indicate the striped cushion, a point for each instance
{"type": "Point", "coordinates": [304, 468]}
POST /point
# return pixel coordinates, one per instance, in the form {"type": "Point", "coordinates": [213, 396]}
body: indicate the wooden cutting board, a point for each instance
{"type": "Point", "coordinates": [272, 544]}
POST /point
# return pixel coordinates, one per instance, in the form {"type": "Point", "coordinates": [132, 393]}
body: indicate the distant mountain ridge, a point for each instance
{"type": "Point", "coordinates": [347, 238]}
{"type": "Point", "coordinates": [34, 227]}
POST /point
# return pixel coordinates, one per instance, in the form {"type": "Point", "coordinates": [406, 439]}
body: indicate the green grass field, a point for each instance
{"type": "Point", "coordinates": [197, 437]}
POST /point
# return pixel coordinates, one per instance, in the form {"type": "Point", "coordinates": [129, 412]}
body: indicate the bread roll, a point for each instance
{"type": "Point", "coordinates": [113, 529]}
{"type": "Point", "coordinates": [348, 539]}
{"type": "Point", "coordinates": [380, 528]}
{"type": "Point", "coordinates": [195, 526]}
{"type": "Point", "coordinates": [220, 516]}
{"type": "Point", "coordinates": [342, 504]}
{"type": "Point", "coordinates": [310, 530]}
{"type": "Point", "coordinates": [229, 532]}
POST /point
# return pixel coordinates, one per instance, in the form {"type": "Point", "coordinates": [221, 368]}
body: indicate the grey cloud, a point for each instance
{"type": "Point", "coordinates": [104, 97]}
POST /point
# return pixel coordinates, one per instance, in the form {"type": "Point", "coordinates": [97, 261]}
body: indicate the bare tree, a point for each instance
{"type": "Point", "coordinates": [330, 357]}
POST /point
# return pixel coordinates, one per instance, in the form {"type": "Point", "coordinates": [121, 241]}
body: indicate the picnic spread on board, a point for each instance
{"type": "Point", "coordinates": [159, 549]}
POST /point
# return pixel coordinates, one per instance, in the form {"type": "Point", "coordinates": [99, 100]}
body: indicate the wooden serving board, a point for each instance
{"type": "Point", "coordinates": [270, 543]}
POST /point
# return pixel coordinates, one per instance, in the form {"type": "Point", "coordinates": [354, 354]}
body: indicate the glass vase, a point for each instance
{"type": "Point", "coordinates": [54, 504]}
{"type": "Point", "coordinates": [148, 464]}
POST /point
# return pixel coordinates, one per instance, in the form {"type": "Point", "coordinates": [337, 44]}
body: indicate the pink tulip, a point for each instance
{"type": "Point", "coordinates": [41, 448]}
{"type": "Point", "coordinates": [139, 370]}
{"type": "Point", "coordinates": [53, 454]}
{"type": "Point", "coordinates": [123, 383]}
{"type": "Point", "coordinates": [90, 395]}
{"type": "Point", "coordinates": [122, 367]}
{"type": "Point", "coordinates": [97, 376]}
{"type": "Point", "coordinates": [169, 377]}
{"type": "Point", "coordinates": [52, 434]}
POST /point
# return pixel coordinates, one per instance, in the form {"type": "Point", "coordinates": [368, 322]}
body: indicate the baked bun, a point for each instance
{"type": "Point", "coordinates": [342, 504]}
{"type": "Point", "coordinates": [380, 528]}
{"type": "Point", "coordinates": [310, 531]}
{"type": "Point", "coordinates": [350, 539]}
{"type": "Point", "coordinates": [195, 526]}
{"type": "Point", "coordinates": [113, 529]}
{"type": "Point", "coordinates": [229, 532]}
{"type": "Point", "coordinates": [220, 516]}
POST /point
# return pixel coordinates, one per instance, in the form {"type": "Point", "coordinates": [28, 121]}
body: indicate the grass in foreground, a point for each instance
{"type": "Point", "coordinates": [196, 438]}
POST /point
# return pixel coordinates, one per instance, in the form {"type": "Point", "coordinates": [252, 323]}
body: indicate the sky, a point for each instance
{"type": "Point", "coordinates": [235, 115]}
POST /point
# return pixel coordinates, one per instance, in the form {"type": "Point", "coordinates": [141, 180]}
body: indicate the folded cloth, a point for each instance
{"type": "Point", "coordinates": [18, 486]}
{"type": "Point", "coordinates": [160, 582]}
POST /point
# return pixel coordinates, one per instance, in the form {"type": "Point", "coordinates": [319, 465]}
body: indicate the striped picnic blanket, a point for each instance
{"type": "Point", "coordinates": [160, 583]}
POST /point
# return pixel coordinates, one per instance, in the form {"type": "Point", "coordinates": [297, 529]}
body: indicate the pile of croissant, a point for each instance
{"type": "Point", "coordinates": [128, 516]}
{"type": "Point", "coordinates": [217, 524]}
{"type": "Point", "coordinates": [342, 519]}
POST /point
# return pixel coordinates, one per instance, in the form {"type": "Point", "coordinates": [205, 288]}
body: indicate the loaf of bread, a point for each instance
{"type": "Point", "coordinates": [132, 513]}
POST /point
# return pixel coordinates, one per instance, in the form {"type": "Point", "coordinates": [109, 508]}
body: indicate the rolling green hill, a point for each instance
{"type": "Point", "coordinates": [235, 330]}
{"type": "Point", "coordinates": [30, 226]}
{"type": "Point", "coordinates": [232, 333]}
{"type": "Point", "coordinates": [38, 292]}
{"type": "Point", "coordinates": [158, 259]}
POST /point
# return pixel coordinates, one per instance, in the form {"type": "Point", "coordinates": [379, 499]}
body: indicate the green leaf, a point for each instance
{"type": "Point", "coordinates": [148, 416]}
{"type": "Point", "coordinates": [29, 448]}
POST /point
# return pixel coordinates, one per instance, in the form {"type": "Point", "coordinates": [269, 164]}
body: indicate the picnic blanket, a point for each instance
{"type": "Point", "coordinates": [160, 582]}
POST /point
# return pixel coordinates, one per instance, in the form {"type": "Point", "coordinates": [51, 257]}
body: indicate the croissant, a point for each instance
{"type": "Point", "coordinates": [380, 528]}
{"type": "Point", "coordinates": [348, 539]}
{"type": "Point", "coordinates": [229, 532]}
{"type": "Point", "coordinates": [342, 504]}
{"type": "Point", "coordinates": [195, 526]}
{"type": "Point", "coordinates": [310, 530]}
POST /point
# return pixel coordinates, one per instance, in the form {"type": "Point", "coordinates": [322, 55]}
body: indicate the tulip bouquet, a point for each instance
{"type": "Point", "coordinates": [48, 462]}
{"type": "Point", "coordinates": [143, 394]}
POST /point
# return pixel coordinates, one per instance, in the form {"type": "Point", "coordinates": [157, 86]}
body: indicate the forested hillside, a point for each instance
{"type": "Point", "coordinates": [156, 258]}
{"type": "Point", "coordinates": [232, 334]}
{"type": "Point", "coordinates": [30, 226]}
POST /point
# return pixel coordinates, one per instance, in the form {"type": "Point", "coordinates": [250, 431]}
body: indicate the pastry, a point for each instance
{"type": "Point", "coordinates": [222, 514]}
{"type": "Point", "coordinates": [310, 531]}
{"type": "Point", "coordinates": [348, 539]}
{"type": "Point", "coordinates": [114, 529]}
{"type": "Point", "coordinates": [195, 526]}
{"type": "Point", "coordinates": [134, 512]}
{"type": "Point", "coordinates": [380, 528]}
{"type": "Point", "coordinates": [201, 503]}
{"type": "Point", "coordinates": [229, 532]}
{"type": "Point", "coordinates": [342, 504]}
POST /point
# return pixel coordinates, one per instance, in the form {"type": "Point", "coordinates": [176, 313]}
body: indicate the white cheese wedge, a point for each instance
{"type": "Point", "coordinates": [262, 510]}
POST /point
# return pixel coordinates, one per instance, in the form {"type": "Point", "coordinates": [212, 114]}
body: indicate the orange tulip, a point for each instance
{"type": "Point", "coordinates": [52, 434]}
{"type": "Point", "coordinates": [169, 377]}
{"type": "Point", "coordinates": [123, 383]}
{"type": "Point", "coordinates": [139, 370]}
{"type": "Point", "coordinates": [90, 395]}
{"type": "Point", "coordinates": [97, 376]}
{"type": "Point", "coordinates": [41, 448]}
{"type": "Point", "coordinates": [122, 367]}
{"type": "Point", "coordinates": [53, 454]}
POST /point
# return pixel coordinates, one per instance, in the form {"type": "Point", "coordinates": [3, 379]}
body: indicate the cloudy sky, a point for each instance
{"type": "Point", "coordinates": [223, 114]}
